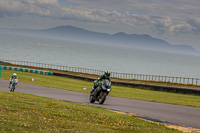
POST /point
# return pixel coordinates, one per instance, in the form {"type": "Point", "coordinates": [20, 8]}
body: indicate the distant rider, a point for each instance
{"type": "Point", "coordinates": [13, 77]}
{"type": "Point", "coordinates": [98, 81]}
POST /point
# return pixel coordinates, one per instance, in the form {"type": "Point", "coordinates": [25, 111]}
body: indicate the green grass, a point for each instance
{"type": "Point", "coordinates": [117, 91]}
{"type": "Point", "coordinates": [20, 112]}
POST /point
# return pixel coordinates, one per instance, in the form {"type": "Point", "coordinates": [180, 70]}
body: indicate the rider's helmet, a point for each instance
{"type": "Point", "coordinates": [14, 75]}
{"type": "Point", "coordinates": [107, 73]}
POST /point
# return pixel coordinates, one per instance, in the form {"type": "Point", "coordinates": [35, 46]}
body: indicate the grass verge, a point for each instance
{"type": "Point", "coordinates": [117, 91]}
{"type": "Point", "coordinates": [28, 113]}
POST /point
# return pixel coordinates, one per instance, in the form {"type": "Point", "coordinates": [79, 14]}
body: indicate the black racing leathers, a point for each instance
{"type": "Point", "coordinates": [97, 81]}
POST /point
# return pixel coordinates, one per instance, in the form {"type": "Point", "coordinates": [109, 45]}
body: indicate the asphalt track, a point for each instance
{"type": "Point", "coordinates": [181, 115]}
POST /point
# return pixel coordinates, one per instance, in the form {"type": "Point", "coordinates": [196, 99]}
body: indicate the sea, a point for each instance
{"type": "Point", "coordinates": [97, 56]}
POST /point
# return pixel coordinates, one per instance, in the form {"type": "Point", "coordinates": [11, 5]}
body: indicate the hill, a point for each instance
{"type": "Point", "coordinates": [72, 33]}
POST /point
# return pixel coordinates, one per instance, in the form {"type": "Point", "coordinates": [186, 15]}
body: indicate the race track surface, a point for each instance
{"type": "Point", "coordinates": [183, 115]}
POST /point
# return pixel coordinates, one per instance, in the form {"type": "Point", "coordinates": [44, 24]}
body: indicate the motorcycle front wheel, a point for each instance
{"type": "Point", "coordinates": [91, 99]}
{"type": "Point", "coordinates": [103, 98]}
{"type": "Point", "coordinates": [11, 90]}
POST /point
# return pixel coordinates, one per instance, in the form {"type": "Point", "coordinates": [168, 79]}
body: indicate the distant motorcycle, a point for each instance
{"type": "Point", "coordinates": [101, 92]}
{"type": "Point", "coordinates": [12, 85]}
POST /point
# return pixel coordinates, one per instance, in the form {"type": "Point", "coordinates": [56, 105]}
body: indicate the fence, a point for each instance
{"type": "Point", "coordinates": [170, 79]}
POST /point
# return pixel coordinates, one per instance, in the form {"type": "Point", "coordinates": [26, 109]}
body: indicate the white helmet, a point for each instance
{"type": "Point", "coordinates": [14, 74]}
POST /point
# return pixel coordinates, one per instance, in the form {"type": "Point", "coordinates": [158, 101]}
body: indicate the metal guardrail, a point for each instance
{"type": "Point", "coordinates": [158, 78]}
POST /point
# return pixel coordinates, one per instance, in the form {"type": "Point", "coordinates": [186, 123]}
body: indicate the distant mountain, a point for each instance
{"type": "Point", "coordinates": [144, 41]}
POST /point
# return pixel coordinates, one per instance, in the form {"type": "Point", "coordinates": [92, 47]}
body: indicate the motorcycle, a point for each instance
{"type": "Point", "coordinates": [12, 85]}
{"type": "Point", "coordinates": [101, 92]}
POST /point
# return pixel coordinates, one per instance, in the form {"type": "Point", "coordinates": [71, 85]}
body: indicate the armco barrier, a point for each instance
{"type": "Point", "coordinates": [160, 88]}
{"type": "Point", "coordinates": [27, 70]}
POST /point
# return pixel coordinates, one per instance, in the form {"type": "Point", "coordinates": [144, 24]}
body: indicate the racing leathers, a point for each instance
{"type": "Point", "coordinates": [99, 80]}
{"type": "Point", "coordinates": [13, 78]}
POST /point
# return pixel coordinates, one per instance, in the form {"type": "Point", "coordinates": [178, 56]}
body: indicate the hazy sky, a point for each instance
{"type": "Point", "coordinates": [176, 21]}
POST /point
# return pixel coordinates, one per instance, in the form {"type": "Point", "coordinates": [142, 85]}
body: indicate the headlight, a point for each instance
{"type": "Point", "coordinates": [108, 89]}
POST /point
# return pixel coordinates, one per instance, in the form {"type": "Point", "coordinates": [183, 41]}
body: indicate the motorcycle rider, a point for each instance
{"type": "Point", "coordinates": [13, 77]}
{"type": "Point", "coordinates": [98, 81]}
